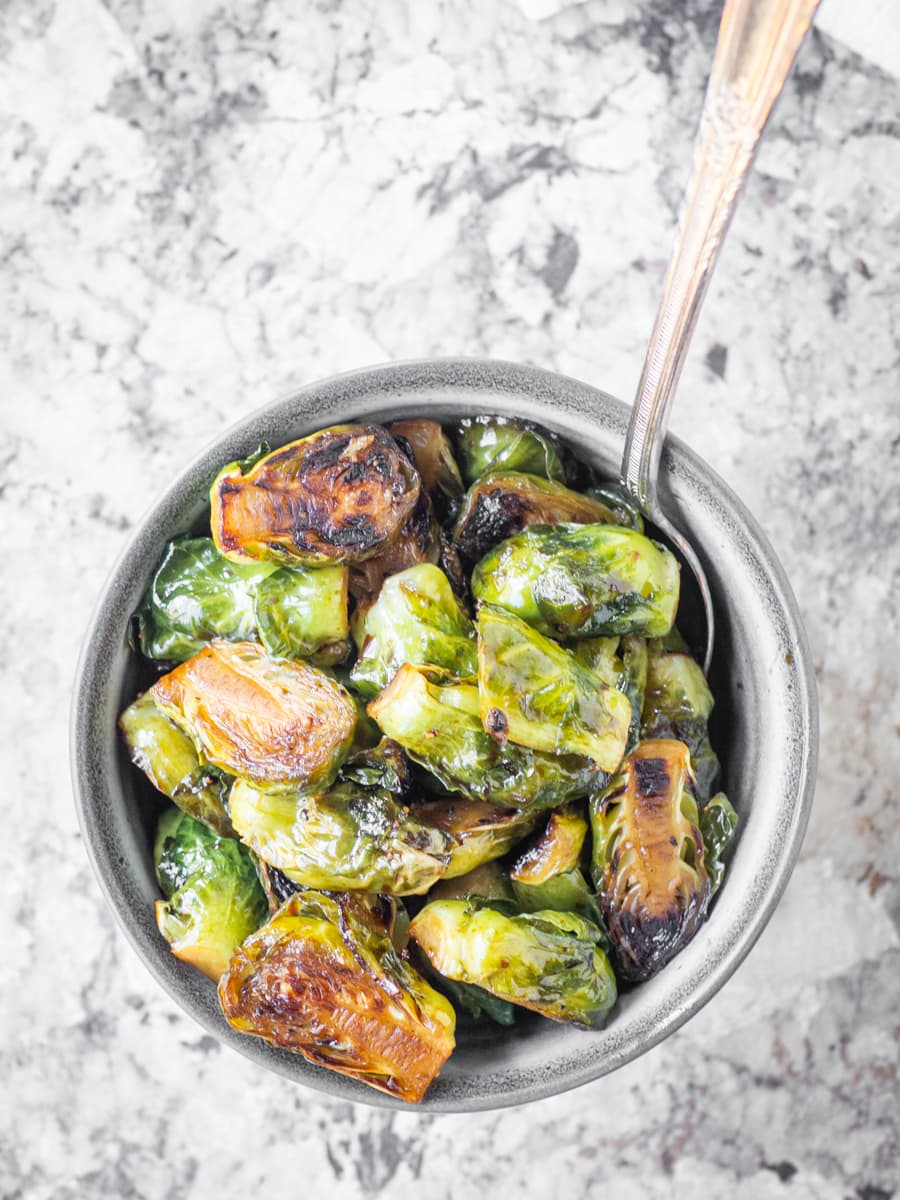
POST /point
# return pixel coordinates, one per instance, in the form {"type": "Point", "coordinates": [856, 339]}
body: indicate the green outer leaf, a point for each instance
{"type": "Point", "coordinates": [494, 443]}
{"type": "Point", "coordinates": [548, 961]}
{"type": "Point", "coordinates": [416, 619]}
{"type": "Point", "coordinates": [540, 696]}
{"type": "Point", "coordinates": [582, 580]}
{"type": "Point", "coordinates": [718, 825]}
{"type": "Point", "coordinates": [566, 892]}
{"type": "Point", "coordinates": [677, 704]}
{"type": "Point", "coordinates": [301, 612]}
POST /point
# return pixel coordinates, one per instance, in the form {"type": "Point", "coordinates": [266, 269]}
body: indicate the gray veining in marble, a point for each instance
{"type": "Point", "coordinates": [204, 203]}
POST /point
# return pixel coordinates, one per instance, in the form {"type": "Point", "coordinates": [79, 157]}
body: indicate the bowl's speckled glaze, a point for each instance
{"type": "Point", "coordinates": [764, 727]}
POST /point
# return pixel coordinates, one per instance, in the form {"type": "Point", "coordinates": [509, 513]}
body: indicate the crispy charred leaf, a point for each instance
{"type": "Point", "coordinates": [262, 719]}
{"type": "Point", "coordinates": [551, 962]}
{"type": "Point", "coordinates": [506, 502]}
{"type": "Point", "coordinates": [535, 693]}
{"type": "Point", "coordinates": [213, 898]}
{"type": "Point", "coordinates": [350, 838]}
{"type": "Point", "coordinates": [416, 619]}
{"type": "Point", "coordinates": [677, 704]}
{"type": "Point", "coordinates": [432, 455]}
{"type": "Point", "coordinates": [419, 541]}
{"type": "Point", "coordinates": [582, 580]}
{"type": "Point", "coordinates": [384, 765]}
{"type": "Point", "coordinates": [440, 728]}
{"type": "Point", "coordinates": [625, 511]}
{"type": "Point", "coordinates": [481, 831]}
{"type": "Point", "coordinates": [718, 825]}
{"type": "Point", "coordinates": [322, 978]}
{"type": "Point", "coordinates": [301, 612]}
{"type": "Point", "coordinates": [619, 663]}
{"type": "Point", "coordinates": [451, 565]}
{"type": "Point", "coordinates": [504, 443]}
{"type": "Point", "coordinates": [170, 761]}
{"type": "Point", "coordinates": [548, 874]}
{"type": "Point", "coordinates": [648, 858]}
{"type": "Point", "coordinates": [338, 496]}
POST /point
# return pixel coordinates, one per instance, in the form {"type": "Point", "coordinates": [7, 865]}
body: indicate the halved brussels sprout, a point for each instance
{"type": "Point", "coordinates": [432, 456]}
{"type": "Point", "coordinates": [677, 704]}
{"type": "Point", "coordinates": [168, 758]}
{"type": "Point", "coordinates": [262, 719]}
{"type": "Point", "coordinates": [350, 838]}
{"type": "Point", "coordinates": [440, 728]}
{"type": "Point", "coordinates": [481, 831]}
{"type": "Point", "coordinates": [493, 443]}
{"type": "Point", "coordinates": [548, 874]}
{"type": "Point", "coordinates": [338, 496]}
{"type": "Point", "coordinates": [551, 962]}
{"type": "Point", "coordinates": [419, 541]}
{"type": "Point", "coordinates": [718, 825]}
{"type": "Point", "coordinates": [620, 663]}
{"type": "Point", "coordinates": [322, 978]}
{"type": "Point", "coordinates": [213, 898]}
{"type": "Point", "coordinates": [416, 619]}
{"type": "Point", "coordinates": [506, 502]}
{"type": "Point", "coordinates": [537, 694]}
{"type": "Point", "coordinates": [582, 580]}
{"type": "Point", "coordinates": [648, 857]}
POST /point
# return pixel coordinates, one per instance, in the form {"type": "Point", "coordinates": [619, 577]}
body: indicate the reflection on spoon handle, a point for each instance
{"type": "Point", "coordinates": [758, 42]}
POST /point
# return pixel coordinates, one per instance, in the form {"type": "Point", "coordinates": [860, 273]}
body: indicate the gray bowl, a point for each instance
{"type": "Point", "coordinates": [764, 728]}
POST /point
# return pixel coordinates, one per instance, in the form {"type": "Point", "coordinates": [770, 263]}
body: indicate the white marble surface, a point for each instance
{"type": "Point", "coordinates": [203, 202]}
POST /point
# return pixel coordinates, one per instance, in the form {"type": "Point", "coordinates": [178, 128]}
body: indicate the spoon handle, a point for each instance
{"type": "Point", "coordinates": [758, 42]}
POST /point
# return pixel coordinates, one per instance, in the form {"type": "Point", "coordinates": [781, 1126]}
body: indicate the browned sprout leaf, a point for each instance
{"type": "Point", "coordinates": [419, 541]}
{"type": "Point", "coordinates": [338, 496]}
{"type": "Point", "coordinates": [267, 720]}
{"type": "Point", "coordinates": [556, 849]}
{"type": "Point", "coordinates": [482, 831]}
{"type": "Point", "coordinates": [323, 979]}
{"type": "Point", "coordinates": [648, 857]}
{"type": "Point", "coordinates": [432, 455]}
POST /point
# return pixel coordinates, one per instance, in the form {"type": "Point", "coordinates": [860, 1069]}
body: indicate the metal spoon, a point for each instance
{"type": "Point", "coordinates": [758, 42]}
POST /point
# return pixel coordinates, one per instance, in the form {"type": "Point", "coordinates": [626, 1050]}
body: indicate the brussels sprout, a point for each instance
{"type": "Point", "coordinates": [625, 511]}
{"type": "Point", "coordinates": [465, 996]}
{"type": "Point", "coordinates": [323, 979]}
{"type": "Point", "coordinates": [338, 496]}
{"type": "Point", "coordinates": [171, 763]}
{"type": "Point", "coordinates": [718, 825]}
{"type": "Point", "coordinates": [301, 612]}
{"type": "Point", "coordinates": [481, 831]}
{"type": "Point", "coordinates": [262, 719]}
{"type": "Point", "coordinates": [416, 619]}
{"type": "Point", "coordinates": [677, 704]}
{"type": "Point", "coordinates": [582, 580]}
{"type": "Point", "coordinates": [384, 765]}
{"type": "Point", "coordinates": [419, 541]}
{"type": "Point", "coordinates": [488, 882]}
{"type": "Point", "coordinates": [548, 873]}
{"type": "Point", "coordinates": [551, 962]}
{"type": "Point", "coordinates": [440, 728]}
{"type": "Point", "coordinates": [506, 502]}
{"type": "Point", "coordinates": [648, 857]}
{"type": "Point", "coordinates": [537, 694]}
{"type": "Point", "coordinates": [213, 898]}
{"type": "Point", "coordinates": [493, 443]}
{"type": "Point", "coordinates": [350, 838]}
{"type": "Point", "coordinates": [432, 456]}
{"type": "Point", "coordinates": [619, 663]}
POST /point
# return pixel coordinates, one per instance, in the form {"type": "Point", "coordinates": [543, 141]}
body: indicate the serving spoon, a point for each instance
{"type": "Point", "coordinates": [757, 44]}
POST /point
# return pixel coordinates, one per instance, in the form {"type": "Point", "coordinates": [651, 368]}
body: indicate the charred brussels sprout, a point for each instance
{"type": "Point", "coordinates": [338, 496]}
{"type": "Point", "coordinates": [481, 831]}
{"type": "Point", "coordinates": [494, 443]}
{"type": "Point", "coordinates": [432, 456]}
{"type": "Point", "coordinates": [506, 502]}
{"type": "Point", "coordinates": [322, 978]}
{"type": "Point", "coordinates": [197, 595]}
{"type": "Point", "coordinates": [582, 580]}
{"type": "Point", "coordinates": [213, 898]}
{"type": "Point", "coordinates": [440, 728]}
{"type": "Point", "coordinates": [677, 704]}
{"type": "Point", "coordinates": [416, 619]}
{"type": "Point", "coordinates": [548, 873]}
{"type": "Point", "coordinates": [168, 758]}
{"type": "Point", "coordinates": [551, 962]}
{"type": "Point", "coordinates": [648, 858]}
{"type": "Point", "coordinates": [266, 720]}
{"type": "Point", "coordinates": [537, 694]}
{"type": "Point", "coordinates": [350, 838]}
{"type": "Point", "coordinates": [718, 825]}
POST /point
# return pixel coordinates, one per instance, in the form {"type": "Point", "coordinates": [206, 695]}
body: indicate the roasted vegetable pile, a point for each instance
{"type": "Point", "coordinates": [428, 750]}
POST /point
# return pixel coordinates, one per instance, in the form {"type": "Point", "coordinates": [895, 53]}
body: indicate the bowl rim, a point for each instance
{"type": "Point", "coordinates": [89, 680]}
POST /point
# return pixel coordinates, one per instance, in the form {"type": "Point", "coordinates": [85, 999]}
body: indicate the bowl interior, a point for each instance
{"type": "Point", "coordinates": [764, 725]}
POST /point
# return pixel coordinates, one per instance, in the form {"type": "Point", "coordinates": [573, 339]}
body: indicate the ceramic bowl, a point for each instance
{"type": "Point", "coordinates": [764, 726]}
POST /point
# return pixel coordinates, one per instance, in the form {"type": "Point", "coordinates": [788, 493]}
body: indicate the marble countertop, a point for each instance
{"type": "Point", "coordinates": [204, 203]}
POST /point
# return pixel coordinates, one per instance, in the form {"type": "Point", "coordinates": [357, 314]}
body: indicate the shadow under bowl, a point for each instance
{"type": "Point", "coordinates": [764, 726]}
